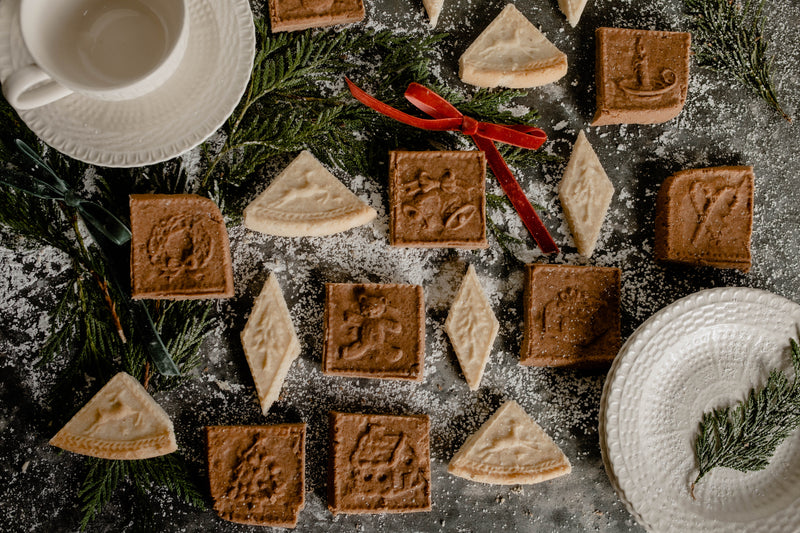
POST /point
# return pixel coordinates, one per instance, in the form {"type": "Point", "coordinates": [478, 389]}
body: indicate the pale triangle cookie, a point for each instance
{"type": "Point", "coordinates": [472, 328]}
{"type": "Point", "coordinates": [585, 193]}
{"type": "Point", "coordinates": [121, 421]}
{"type": "Point", "coordinates": [572, 9]}
{"type": "Point", "coordinates": [511, 52]}
{"type": "Point", "coordinates": [433, 7]}
{"type": "Point", "coordinates": [509, 449]}
{"type": "Point", "coordinates": [306, 200]}
{"type": "Point", "coordinates": [270, 343]}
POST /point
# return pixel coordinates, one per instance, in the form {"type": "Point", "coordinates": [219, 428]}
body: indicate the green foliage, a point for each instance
{"type": "Point", "coordinates": [105, 476]}
{"type": "Point", "coordinates": [729, 37]}
{"type": "Point", "coordinates": [295, 101]}
{"type": "Point", "coordinates": [744, 437]}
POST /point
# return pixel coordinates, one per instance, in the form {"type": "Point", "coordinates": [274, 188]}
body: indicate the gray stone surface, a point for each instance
{"type": "Point", "coordinates": [721, 124]}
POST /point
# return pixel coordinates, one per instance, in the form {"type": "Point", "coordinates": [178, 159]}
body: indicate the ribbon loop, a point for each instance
{"type": "Point", "coordinates": [447, 118]}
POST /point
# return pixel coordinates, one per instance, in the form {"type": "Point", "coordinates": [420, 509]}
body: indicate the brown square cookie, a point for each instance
{"type": "Point", "coordinates": [379, 464]}
{"type": "Point", "coordinates": [257, 473]}
{"type": "Point", "coordinates": [642, 76]}
{"type": "Point", "coordinates": [572, 315]}
{"type": "Point", "coordinates": [437, 199]}
{"type": "Point", "coordinates": [705, 217]}
{"type": "Point", "coordinates": [374, 331]}
{"type": "Point", "coordinates": [292, 15]}
{"type": "Point", "coordinates": [179, 248]}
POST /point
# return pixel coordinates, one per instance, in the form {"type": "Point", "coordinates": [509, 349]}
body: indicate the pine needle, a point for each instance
{"type": "Point", "coordinates": [744, 437]}
{"type": "Point", "coordinates": [729, 38]}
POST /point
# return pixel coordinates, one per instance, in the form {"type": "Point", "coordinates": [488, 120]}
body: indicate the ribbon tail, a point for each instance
{"type": "Point", "coordinates": [152, 340]}
{"type": "Point", "coordinates": [37, 159]}
{"type": "Point", "coordinates": [105, 222]}
{"type": "Point", "coordinates": [517, 196]}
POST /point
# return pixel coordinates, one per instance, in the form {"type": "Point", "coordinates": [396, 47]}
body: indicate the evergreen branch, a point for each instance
{"type": "Point", "coordinates": [729, 38]}
{"type": "Point", "coordinates": [744, 437]}
{"type": "Point", "coordinates": [105, 476]}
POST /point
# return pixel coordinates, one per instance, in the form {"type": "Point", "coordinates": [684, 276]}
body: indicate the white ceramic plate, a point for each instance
{"type": "Point", "coordinates": [163, 124]}
{"type": "Point", "coordinates": [704, 351]}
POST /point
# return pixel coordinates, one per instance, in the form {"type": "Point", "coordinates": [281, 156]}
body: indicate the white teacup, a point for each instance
{"type": "Point", "coordinates": [104, 49]}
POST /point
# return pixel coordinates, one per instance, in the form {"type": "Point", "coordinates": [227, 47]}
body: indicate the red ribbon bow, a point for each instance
{"type": "Point", "coordinates": [448, 118]}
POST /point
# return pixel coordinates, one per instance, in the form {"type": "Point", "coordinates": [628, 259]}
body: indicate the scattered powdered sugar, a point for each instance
{"type": "Point", "coordinates": [720, 124]}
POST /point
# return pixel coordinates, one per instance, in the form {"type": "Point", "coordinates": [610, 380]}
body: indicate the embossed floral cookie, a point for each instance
{"type": "Point", "coordinates": [256, 474]}
{"type": "Point", "coordinates": [293, 15]}
{"type": "Point", "coordinates": [379, 463]}
{"type": "Point", "coordinates": [179, 248]}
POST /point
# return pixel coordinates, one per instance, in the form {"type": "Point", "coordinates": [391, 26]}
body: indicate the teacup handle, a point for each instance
{"type": "Point", "coordinates": [20, 92]}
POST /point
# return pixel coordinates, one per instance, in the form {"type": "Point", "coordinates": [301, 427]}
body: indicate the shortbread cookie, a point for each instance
{"type": "Point", "coordinates": [293, 15]}
{"type": "Point", "coordinates": [472, 328]}
{"type": "Point", "coordinates": [374, 331]}
{"type": "Point", "coordinates": [705, 217]}
{"type": "Point", "coordinates": [437, 199]}
{"type": "Point", "coordinates": [572, 9]}
{"type": "Point", "coordinates": [379, 464]}
{"type": "Point", "coordinates": [306, 200]}
{"type": "Point", "coordinates": [179, 248]}
{"type": "Point", "coordinates": [512, 52]}
{"type": "Point", "coordinates": [572, 316]}
{"type": "Point", "coordinates": [433, 7]}
{"type": "Point", "coordinates": [585, 193]}
{"type": "Point", "coordinates": [509, 449]}
{"type": "Point", "coordinates": [642, 76]}
{"type": "Point", "coordinates": [121, 421]}
{"type": "Point", "coordinates": [270, 342]}
{"type": "Point", "coordinates": [256, 474]}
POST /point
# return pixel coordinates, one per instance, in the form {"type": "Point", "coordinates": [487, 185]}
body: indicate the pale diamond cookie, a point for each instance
{"type": "Point", "coordinates": [306, 200]}
{"type": "Point", "coordinates": [472, 328]}
{"type": "Point", "coordinates": [511, 52]}
{"type": "Point", "coordinates": [509, 449]}
{"type": "Point", "coordinates": [433, 8]}
{"type": "Point", "coordinates": [585, 193]}
{"type": "Point", "coordinates": [572, 9]}
{"type": "Point", "coordinates": [121, 421]}
{"type": "Point", "coordinates": [270, 343]}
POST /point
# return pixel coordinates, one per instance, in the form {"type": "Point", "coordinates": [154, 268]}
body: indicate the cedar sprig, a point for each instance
{"type": "Point", "coordinates": [104, 477]}
{"type": "Point", "coordinates": [744, 437]}
{"type": "Point", "coordinates": [729, 38]}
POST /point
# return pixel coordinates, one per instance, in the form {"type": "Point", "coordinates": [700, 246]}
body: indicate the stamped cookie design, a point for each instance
{"type": "Point", "coordinates": [510, 448]}
{"type": "Point", "coordinates": [472, 328]}
{"type": "Point", "coordinates": [270, 342]}
{"type": "Point", "coordinates": [306, 200]}
{"type": "Point", "coordinates": [642, 76]}
{"type": "Point", "coordinates": [179, 248]}
{"type": "Point", "coordinates": [572, 316]}
{"type": "Point", "coordinates": [379, 464]}
{"type": "Point", "coordinates": [511, 52]}
{"type": "Point", "coordinates": [121, 421]}
{"type": "Point", "coordinates": [585, 193]}
{"type": "Point", "coordinates": [256, 474]}
{"type": "Point", "coordinates": [437, 199]}
{"type": "Point", "coordinates": [374, 331]}
{"type": "Point", "coordinates": [293, 15]}
{"type": "Point", "coordinates": [705, 217]}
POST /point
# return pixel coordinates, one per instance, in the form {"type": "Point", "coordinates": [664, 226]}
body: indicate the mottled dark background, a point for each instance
{"type": "Point", "coordinates": [721, 124]}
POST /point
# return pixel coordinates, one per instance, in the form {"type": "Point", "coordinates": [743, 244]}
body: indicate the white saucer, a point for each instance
{"type": "Point", "coordinates": [704, 351]}
{"type": "Point", "coordinates": [163, 124]}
